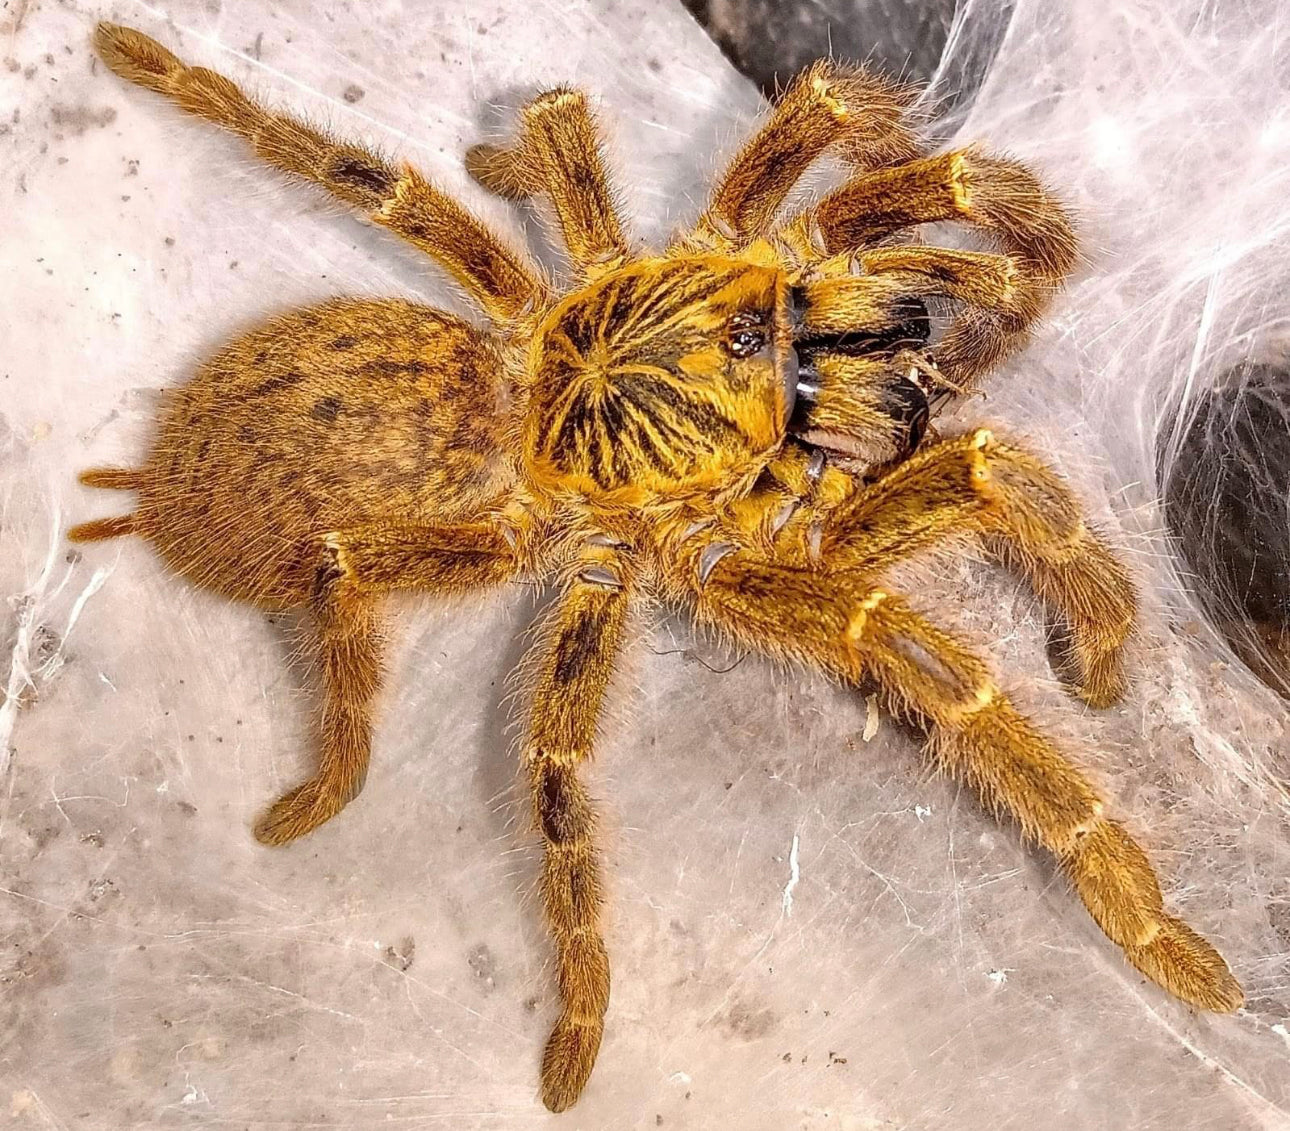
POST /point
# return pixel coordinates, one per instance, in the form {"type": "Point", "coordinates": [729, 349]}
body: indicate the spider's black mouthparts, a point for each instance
{"type": "Point", "coordinates": [906, 403]}
{"type": "Point", "coordinates": [902, 397]}
{"type": "Point", "coordinates": [903, 400]}
{"type": "Point", "coordinates": [807, 393]}
{"type": "Point", "coordinates": [910, 328]}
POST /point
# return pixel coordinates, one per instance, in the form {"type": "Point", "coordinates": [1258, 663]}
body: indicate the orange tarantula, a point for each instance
{"type": "Point", "coordinates": [735, 427]}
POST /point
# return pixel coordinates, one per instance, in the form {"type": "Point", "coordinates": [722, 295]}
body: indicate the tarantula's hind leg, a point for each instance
{"type": "Point", "coordinates": [500, 280]}
{"type": "Point", "coordinates": [450, 559]}
{"type": "Point", "coordinates": [356, 568]}
{"type": "Point", "coordinates": [349, 639]}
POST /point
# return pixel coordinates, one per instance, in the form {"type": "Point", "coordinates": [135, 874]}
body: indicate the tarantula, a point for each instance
{"type": "Point", "coordinates": [735, 427]}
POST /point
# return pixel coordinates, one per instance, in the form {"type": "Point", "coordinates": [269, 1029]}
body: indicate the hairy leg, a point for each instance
{"type": "Point", "coordinates": [825, 108]}
{"type": "Point", "coordinates": [853, 630]}
{"type": "Point", "coordinates": [448, 559]}
{"type": "Point", "coordinates": [873, 296]}
{"type": "Point", "coordinates": [1001, 197]}
{"type": "Point", "coordinates": [559, 154]}
{"type": "Point", "coordinates": [349, 642]}
{"type": "Point", "coordinates": [978, 485]}
{"type": "Point", "coordinates": [400, 199]}
{"type": "Point", "coordinates": [572, 669]}
{"type": "Point", "coordinates": [355, 569]}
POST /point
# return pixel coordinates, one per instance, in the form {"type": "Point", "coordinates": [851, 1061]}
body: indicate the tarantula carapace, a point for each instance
{"type": "Point", "coordinates": [734, 427]}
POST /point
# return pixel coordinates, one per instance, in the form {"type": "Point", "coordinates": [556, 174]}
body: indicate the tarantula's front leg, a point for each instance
{"type": "Point", "coordinates": [355, 568]}
{"type": "Point", "coordinates": [852, 630]}
{"type": "Point", "coordinates": [559, 154]}
{"type": "Point", "coordinates": [1001, 197]}
{"type": "Point", "coordinates": [400, 199]}
{"type": "Point", "coordinates": [978, 485]}
{"type": "Point", "coordinates": [575, 661]}
{"type": "Point", "coordinates": [875, 305]}
{"type": "Point", "coordinates": [826, 107]}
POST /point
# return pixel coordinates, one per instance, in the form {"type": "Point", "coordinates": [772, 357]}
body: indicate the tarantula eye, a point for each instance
{"type": "Point", "coordinates": [748, 335]}
{"type": "Point", "coordinates": [747, 343]}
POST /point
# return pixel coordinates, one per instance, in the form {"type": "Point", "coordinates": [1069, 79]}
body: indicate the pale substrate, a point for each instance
{"type": "Point", "coordinates": [808, 929]}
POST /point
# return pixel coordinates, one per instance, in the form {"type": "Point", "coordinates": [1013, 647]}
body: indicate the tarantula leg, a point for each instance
{"type": "Point", "coordinates": [449, 559]}
{"type": "Point", "coordinates": [854, 630]}
{"type": "Point", "coordinates": [978, 735]}
{"type": "Point", "coordinates": [350, 645]}
{"type": "Point", "coordinates": [1036, 525]}
{"type": "Point", "coordinates": [400, 199]}
{"type": "Point", "coordinates": [354, 569]}
{"type": "Point", "coordinates": [873, 206]}
{"type": "Point", "coordinates": [503, 171]}
{"type": "Point", "coordinates": [999, 196]}
{"type": "Point", "coordinates": [559, 154]}
{"type": "Point", "coordinates": [972, 277]}
{"type": "Point", "coordinates": [577, 656]}
{"type": "Point", "coordinates": [977, 485]}
{"type": "Point", "coordinates": [878, 296]}
{"type": "Point", "coordinates": [826, 107]}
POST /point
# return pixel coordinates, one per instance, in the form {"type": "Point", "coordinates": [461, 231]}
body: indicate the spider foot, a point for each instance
{"type": "Point", "coordinates": [569, 1057]}
{"type": "Point", "coordinates": [1103, 682]}
{"type": "Point", "coordinates": [1091, 669]}
{"type": "Point", "coordinates": [301, 811]}
{"type": "Point", "coordinates": [499, 171]}
{"type": "Point", "coordinates": [1178, 959]}
{"type": "Point", "coordinates": [1115, 880]}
